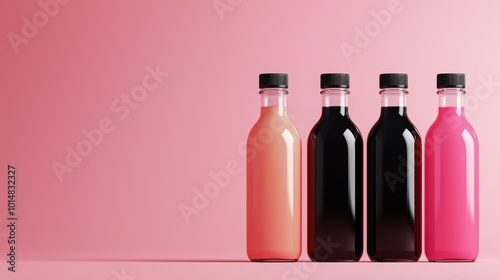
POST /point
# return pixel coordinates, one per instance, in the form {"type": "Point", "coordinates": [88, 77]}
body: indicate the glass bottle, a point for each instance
{"type": "Point", "coordinates": [335, 178]}
{"type": "Point", "coordinates": [273, 178]}
{"type": "Point", "coordinates": [394, 178]}
{"type": "Point", "coordinates": [451, 178]}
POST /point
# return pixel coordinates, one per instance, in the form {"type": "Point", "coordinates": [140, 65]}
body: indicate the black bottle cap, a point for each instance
{"type": "Point", "coordinates": [451, 80]}
{"type": "Point", "coordinates": [393, 80]}
{"type": "Point", "coordinates": [273, 80]}
{"type": "Point", "coordinates": [335, 80]}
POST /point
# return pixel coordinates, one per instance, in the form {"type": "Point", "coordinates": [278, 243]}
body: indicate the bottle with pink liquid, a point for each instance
{"type": "Point", "coordinates": [273, 178]}
{"type": "Point", "coordinates": [451, 178]}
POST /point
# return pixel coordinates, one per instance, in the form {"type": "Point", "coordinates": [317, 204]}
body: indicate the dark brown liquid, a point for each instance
{"type": "Point", "coordinates": [335, 188]}
{"type": "Point", "coordinates": [394, 188]}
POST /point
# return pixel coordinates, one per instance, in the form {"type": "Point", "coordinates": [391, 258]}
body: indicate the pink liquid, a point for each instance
{"type": "Point", "coordinates": [451, 188]}
{"type": "Point", "coordinates": [273, 188]}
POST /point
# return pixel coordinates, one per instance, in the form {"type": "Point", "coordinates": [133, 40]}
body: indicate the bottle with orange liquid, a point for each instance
{"type": "Point", "coordinates": [273, 178]}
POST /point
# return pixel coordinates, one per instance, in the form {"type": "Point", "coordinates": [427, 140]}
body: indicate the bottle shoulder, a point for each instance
{"type": "Point", "coordinates": [335, 129]}
{"type": "Point", "coordinates": [275, 124]}
{"type": "Point", "coordinates": [395, 127]}
{"type": "Point", "coordinates": [458, 127]}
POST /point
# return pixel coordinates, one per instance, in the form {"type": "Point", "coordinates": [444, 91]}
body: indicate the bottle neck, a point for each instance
{"type": "Point", "coordinates": [335, 97]}
{"type": "Point", "coordinates": [274, 98]}
{"type": "Point", "coordinates": [395, 100]}
{"type": "Point", "coordinates": [452, 98]}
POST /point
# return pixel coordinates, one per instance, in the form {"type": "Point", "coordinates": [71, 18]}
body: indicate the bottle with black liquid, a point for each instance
{"type": "Point", "coordinates": [394, 178]}
{"type": "Point", "coordinates": [335, 178]}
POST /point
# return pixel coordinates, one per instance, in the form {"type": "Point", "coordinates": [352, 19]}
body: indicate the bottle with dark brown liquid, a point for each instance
{"type": "Point", "coordinates": [335, 178]}
{"type": "Point", "coordinates": [394, 178]}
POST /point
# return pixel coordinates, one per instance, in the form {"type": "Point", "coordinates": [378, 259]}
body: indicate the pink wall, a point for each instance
{"type": "Point", "coordinates": [89, 66]}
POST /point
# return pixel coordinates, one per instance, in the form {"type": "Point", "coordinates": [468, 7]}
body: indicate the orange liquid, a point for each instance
{"type": "Point", "coordinates": [273, 188]}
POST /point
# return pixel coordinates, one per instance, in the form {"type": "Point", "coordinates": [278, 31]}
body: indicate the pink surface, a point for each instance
{"type": "Point", "coordinates": [484, 270]}
{"type": "Point", "coordinates": [161, 138]}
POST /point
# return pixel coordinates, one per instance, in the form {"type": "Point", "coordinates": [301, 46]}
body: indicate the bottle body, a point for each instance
{"type": "Point", "coordinates": [335, 188]}
{"type": "Point", "coordinates": [273, 185]}
{"type": "Point", "coordinates": [452, 184]}
{"type": "Point", "coordinates": [394, 184]}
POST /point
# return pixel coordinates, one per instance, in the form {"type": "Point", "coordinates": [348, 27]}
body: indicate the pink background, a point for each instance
{"type": "Point", "coordinates": [122, 201]}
